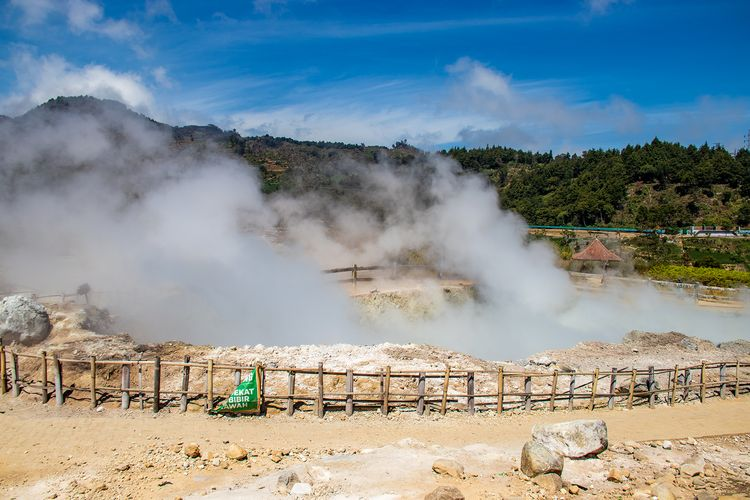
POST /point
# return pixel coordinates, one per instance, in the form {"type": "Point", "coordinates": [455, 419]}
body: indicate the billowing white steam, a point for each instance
{"type": "Point", "coordinates": [175, 243]}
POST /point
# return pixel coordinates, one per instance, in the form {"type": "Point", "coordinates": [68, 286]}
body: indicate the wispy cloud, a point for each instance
{"type": "Point", "coordinates": [598, 7]}
{"type": "Point", "coordinates": [160, 9]}
{"type": "Point", "coordinates": [82, 16]}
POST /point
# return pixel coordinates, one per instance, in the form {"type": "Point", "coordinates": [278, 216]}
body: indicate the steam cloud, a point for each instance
{"type": "Point", "coordinates": [181, 244]}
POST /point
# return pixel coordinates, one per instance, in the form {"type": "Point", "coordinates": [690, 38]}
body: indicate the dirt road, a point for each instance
{"type": "Point", "coordinates": [133, 453]}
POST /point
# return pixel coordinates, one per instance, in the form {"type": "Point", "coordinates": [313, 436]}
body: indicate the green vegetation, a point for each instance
{"type": "Point", "coordinates": [660, 184]}
{"type": "Point", "coordinates": [704, 275]}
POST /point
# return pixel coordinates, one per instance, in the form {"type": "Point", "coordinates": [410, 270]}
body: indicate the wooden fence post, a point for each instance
{"type": "Point", "coordinates": [674, 386]}
{"type": "Point", "coordinates": [736, 380]}
{"type": "Point", "coordinates": [631, 390]}
{"type": "Point", "coordinates": [4, 370]}
{"type": "Point", "coordinates": [446, 381]}
{"type": "Point", "coordinates": [59, 393]}
{"type": "Point", "coordinates": [238, 377]}
{"type": "Point", "coordinates": [650, 383]}
{"type": "Point", "coordinates": [290, 399]}
{"type": "Point", "coordinates": [723, 379]}
{"type": "Point", "coordinates": [612, 387]}
{"type": "Point", "coordinates": [594, 383]}
{"type": "Point", "coordinates": [45, 389]}
{"type": "Point", "coordinates": [185, 384]}
{"type": "Point", "coordinates": [93, 382]}
{"type": "Point", "coordinates": [210, 385]}
{"type": "Point", "coordinates": [527, 393]}
{"type": "Point", "coordinates": [572, 390]}
{"type": "Point", "coordinates": [14, 374]}
{"type": "Point", "coordinates": [703, 381]}
{"type": "Point", "coordinates": [125, 385]}
{"type": "Point", "coordinates": [420, 393]}
{"type": "Point", "coordinates": [500, 389]}
{"type": "Point", "coordinates": [470, 392]}
{"type": "Point", "coordinates": [321, 403]}
{"type": "Point", "coordinates": [553, 392]}
{"type": "Point", "coordinates": [157, 383]}
{"type": "Point", "coordinates": [688, 381]}
{"type": "Point", "coordinates": [387, 391]}
{"type": "Point", "coordinates": [349, 392]}
{"type": "Point", "coordinates": [141, 403]}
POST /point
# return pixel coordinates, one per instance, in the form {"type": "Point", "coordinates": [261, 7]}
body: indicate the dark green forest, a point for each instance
{"type": "Point", "coordinates": [659, 184]}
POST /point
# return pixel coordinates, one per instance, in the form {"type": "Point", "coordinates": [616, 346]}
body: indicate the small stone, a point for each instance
{"type": "Point", "coordinates": [640, 456]}
{"type": "Point", "coordinates": [694, 466]}
{"type": "Point", "coordinates": [236, 452]}
{"type": "Point", "coordinates": [618, 475]}
{"type": "Point", "coordinates": [549, 482]}
{"type": "Point", "coordinates": [216, 462]}
{"type": "Point", "coordinates": [301, 489]}
{"type": "Point", "coordinates": [574, 489]}
{"type": "Point", "coordinates": [448, 467]}
{"type": "Point", "coordinates": [286, 481]}
{"type": "Point", "coordinates": [164, 483]}
{"type": "Point", "coordinates": [691, 441]}
{"type": "Point", "coordinates": [277, 458]}
{"type": "Point", "coordinates": [699, 482]}
{"type": "Point", "coordinates": [667, 445]}
{"type": "Point", "coordinates": [192, 450]}
{"type": "Point", "coordinates": [122, 468]}
{"type": "Point", "coordinates": [445, 493]}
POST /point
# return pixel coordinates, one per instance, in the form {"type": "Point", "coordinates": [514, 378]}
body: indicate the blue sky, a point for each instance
{"type": "Point", "coordinates": [542, 75]}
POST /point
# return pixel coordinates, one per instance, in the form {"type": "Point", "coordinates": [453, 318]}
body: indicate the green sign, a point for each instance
{"type": "Point", "coordinates": [245, 398]}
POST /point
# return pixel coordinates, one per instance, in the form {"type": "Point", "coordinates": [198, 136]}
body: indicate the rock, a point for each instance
{"type": "Point", "coordinates": [618, 475]}
{"type": "Point", "coordinates": [574, 439]}
{"type": "Point", "coordinates": [692, 467]}
{"type": "Point", "coordinates": [640, 456]}
{"type": "Point", "coordinates": [691, 441]}
{"type": "Point", "coordinates": [538, 459]}
{"type": "Point", "coordinates": [318, 474]}
{"type": "Point", "coordinates": [192, 450]}
{"type": "Point", "coordinates": [445, 493]}
{"type": "Point", "coordinates": [736, 346]}
{"type": "Point", "coordinates": [23, 320]}
{"type": "Point", "coordinates": [122, 468]}
{"type": "Point", "coordinates": [286, 481]}
{"type": "Point", "coordinates": [574, 489]}
{"type": "Point", "coordinates": [549, 482]}
{"type": "Point", "coordinates": [301, 489]}
{"type": "Point", "coordinates": [275, 458]}
{"type": "Point", "coordinates": [448, 467]}
{"type": "Point", "coordinates": [663, 491]}
{"type": "Point", "coordinates": [216, 462]}
{"type": "Point", "coordinates": [667, 445]}
{"type": "Point", "coordinates": [236, 452]}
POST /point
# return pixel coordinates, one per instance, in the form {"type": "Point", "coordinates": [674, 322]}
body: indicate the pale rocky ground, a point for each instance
{"type": "Point", "coordinates": [75, 452]}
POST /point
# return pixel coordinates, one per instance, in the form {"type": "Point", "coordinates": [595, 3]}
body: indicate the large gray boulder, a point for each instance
{"type": "Point", "coordinates": [537, 459]}
{"type": "Point", "coordinates": [23, 320]}
{"type": "Point", "coordinates": [574, 439]}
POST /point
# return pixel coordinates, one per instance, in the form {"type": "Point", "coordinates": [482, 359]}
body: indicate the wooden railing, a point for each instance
{"type": "Point", "coordinates": [320, 390]}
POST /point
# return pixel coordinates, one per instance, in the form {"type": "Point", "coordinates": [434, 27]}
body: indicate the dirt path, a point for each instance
{"type": "Point", "coordinates": [43, 447]}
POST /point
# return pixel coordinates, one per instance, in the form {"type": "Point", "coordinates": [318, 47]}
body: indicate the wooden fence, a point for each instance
{"type": "Point", "coordinates": [321, 390]}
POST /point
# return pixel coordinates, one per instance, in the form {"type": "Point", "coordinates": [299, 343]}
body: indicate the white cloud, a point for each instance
{"type": "Point", "coordinates": [82, 16]}
{"type": "Point", "coordinates": [35, 11]}
{"type": "Point", "coordinates": [160, 8]}
{"type": "Point", "coordinates": [40, 79]}
{"type": "Point", "coordinates": [161, 77]}
{"type": "Point", "coordinates": [602, 6]}
{"type": "Point", "coordinates": [267, 7]}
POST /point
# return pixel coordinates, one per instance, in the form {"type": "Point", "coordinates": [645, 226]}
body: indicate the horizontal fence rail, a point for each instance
{"type": "Point", "coordinates": [156, 384]}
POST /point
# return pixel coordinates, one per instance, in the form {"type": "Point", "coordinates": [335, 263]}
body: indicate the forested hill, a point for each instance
{"type": "Point", "coordinates": [660, 184]}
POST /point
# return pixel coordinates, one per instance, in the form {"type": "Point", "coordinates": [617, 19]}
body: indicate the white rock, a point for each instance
{"type": "Point", "coordinates": [574, 439]}
{"type": "Point", "coordinates": [301, 489]}
{"type": "Point", "coordinates": [667, 445]}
